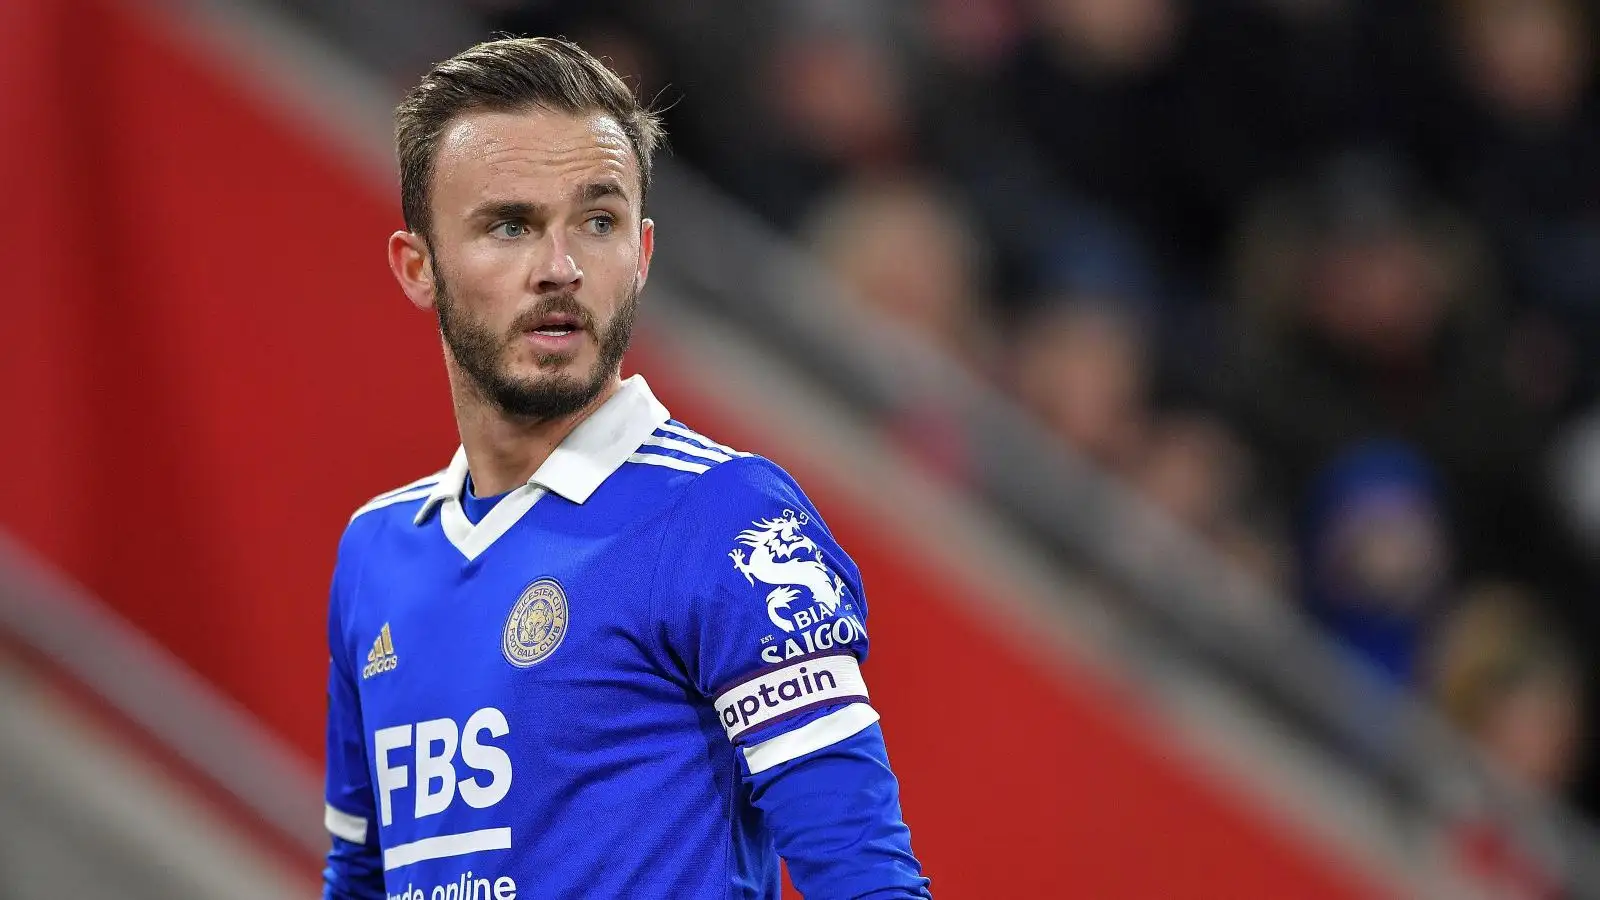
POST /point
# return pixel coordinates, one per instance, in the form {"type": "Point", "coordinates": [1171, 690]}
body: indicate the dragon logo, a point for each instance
{"type": "Point", "coordinates": [782, 556]}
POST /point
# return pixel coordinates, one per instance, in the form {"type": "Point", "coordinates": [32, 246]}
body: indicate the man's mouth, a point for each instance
{"type": "Point", "coordinates": [556, 325]}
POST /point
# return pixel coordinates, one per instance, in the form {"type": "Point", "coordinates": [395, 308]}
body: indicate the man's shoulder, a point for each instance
{"type": "Point", "coordinates": [685, 463]}
{"type": "Point", "coordinates": [677, 447]}
{"type": "Point", "coordinates": [725, 497]}
{"type": "Point", "coordinates": [401, 502]}
{"type": "Point", "coordinates": [703, 470]}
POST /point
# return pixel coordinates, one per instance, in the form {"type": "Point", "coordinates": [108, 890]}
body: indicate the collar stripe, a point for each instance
{"type": "Point", "coordinates": [670, 462]}
{"type": "Point", "coordinates": [687, 448]}
{"type": "Point", "coordinates": [390, 500]}
{"type": "Point", "coordinates": [674, 428]}
{"type": "Point", "coordinates": [424, 481]}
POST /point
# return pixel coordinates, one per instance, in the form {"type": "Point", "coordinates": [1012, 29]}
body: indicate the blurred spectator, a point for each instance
{"type": "Point", "coordinates": [1528, 60]}
{"type": "Point", "coordinates": [1520, 149]}
{"type": "Point", "coordinates": [838, 98]}
{"type": "Point", "coordinates": [904, 248]}
{"type": "Point", "coordinates": [833, 107]}
{"type": "Point", "coordinates": [607, 28]}
{"type": "Point", "coordinates": [1082, 366]}
{"type": "Point", "coordinates": [1169, 113]}
{"type": "Point", "coordinates": [1507, 679]}
{"type": "Point", "coordinates": [1095, 85]}
{"type": "Point", "coordinates": [1043, 235]}
{"type": "Point", "coordinates": [1376, 554]}
{"type": "Point", "coordinates": [1504, 676]}
{"type": "Point", "coordinates": [1114, 37]}
{"type": "Point", "coordinates": [974, 37]}
{"type": "Point", "coordinates": [1196, 471]}
{"type": "Point", "coordinates": [1362, 318]}
{"type": "Point", "coordinates": [1575, 475]}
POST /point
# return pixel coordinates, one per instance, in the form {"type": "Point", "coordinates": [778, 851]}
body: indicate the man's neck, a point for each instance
{"type": "Point", "coordinates": [503, 452]}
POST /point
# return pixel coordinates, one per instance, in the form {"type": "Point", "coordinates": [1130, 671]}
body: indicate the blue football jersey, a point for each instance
{"type": "Point", "coordinates": [638, 675]}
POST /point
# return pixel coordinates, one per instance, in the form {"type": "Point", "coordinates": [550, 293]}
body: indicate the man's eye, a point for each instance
{"type": "Point", "coordinates": [602, 224]}
{"type": "Point", "coordinates": [509, 229]}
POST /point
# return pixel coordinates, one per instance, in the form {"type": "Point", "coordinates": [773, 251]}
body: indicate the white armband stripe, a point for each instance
{"type": "Point", "coordinates": [812, 736]}
{"type": "Point", "coordinates": [789, 690]}
{"type": "Point", "coordinates": [341, 824]}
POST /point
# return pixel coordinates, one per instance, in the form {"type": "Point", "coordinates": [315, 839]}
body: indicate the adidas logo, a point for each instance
{"type": "Point", "coordinates": [381, 657]}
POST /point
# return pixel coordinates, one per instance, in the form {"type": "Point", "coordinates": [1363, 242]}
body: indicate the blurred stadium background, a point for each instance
{"type": "Point", "coordinates": [1207, 389]}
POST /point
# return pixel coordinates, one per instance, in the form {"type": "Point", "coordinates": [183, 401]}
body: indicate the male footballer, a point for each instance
{"type": "Point", "coordinates": [599, 654]}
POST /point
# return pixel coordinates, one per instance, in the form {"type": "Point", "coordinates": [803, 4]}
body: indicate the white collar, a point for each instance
{"type": "Point", "coordinates": [597, 447]}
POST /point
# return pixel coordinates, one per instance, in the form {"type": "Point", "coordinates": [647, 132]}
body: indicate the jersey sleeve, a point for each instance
{"type": "Point", "coordinates": [766, 612]}
{"type": "Point", "coordinates": [354, 869]}
{"type": "Point", "coordinates": [835, 815]}
{"type": "Point", "coordinates": [768, 616]}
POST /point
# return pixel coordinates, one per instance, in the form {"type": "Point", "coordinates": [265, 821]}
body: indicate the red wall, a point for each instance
{"type": "Point", "coordinates": [207, 367]}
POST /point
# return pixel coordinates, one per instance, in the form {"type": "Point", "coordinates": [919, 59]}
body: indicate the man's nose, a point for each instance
{"type": "Point", "coordinates": [560, 270]}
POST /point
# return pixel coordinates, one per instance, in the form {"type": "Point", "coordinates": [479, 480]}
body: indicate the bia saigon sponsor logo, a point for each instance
{"type": "Point", "coordinates": [807, 600]}
{"type": "Point", "coordinates": [779, 554]}
{"type": "Point", "coordinates": [832, 632]}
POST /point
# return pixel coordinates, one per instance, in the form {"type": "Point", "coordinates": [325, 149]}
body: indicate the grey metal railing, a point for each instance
{"type": "Point", "coordinates": [78, 636]}
{"type": "Point", "coordinates": [84, 815]}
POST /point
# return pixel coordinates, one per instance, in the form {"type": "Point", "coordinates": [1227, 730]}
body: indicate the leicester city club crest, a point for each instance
{"type": "Point", "coordinates": [537, 623]}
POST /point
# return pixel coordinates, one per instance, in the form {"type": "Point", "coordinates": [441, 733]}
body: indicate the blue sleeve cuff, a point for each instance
{"type": "Point", "coordinates": [354, 872]}
{"type": "Point", "coordinates": [835, 814]}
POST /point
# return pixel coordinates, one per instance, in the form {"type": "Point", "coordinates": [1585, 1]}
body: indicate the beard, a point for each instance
{"type": "Point", "coordinates": [481, 354]}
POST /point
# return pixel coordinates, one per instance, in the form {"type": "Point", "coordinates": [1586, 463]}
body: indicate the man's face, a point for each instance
{"type": "Point", "coordinates": [538, 254]}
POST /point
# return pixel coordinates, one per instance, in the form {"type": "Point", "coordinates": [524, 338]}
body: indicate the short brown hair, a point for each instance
{"type": "Point", "coordinates": [510, 75]}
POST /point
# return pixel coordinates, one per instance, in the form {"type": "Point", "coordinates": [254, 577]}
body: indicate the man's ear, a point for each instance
{"type": "Point", "coordinates": [409, 260]}
{"type": "Point", "coordinates": [647, 249]}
